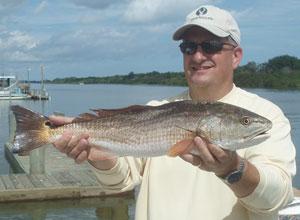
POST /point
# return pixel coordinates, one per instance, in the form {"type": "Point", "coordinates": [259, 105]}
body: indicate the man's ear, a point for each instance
{"type": "Point", "coordinates": [237, 57]}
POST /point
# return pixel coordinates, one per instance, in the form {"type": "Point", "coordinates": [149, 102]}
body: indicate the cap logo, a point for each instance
{"type": "Point", "coordinates": [201, 11]}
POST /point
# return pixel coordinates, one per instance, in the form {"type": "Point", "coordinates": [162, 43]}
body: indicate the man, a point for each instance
{"type": "Point", "coordinates": [252, 183]}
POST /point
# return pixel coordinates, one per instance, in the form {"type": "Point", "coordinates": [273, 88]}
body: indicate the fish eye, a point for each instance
{"type": "Point", "coordinates": [245, 120]}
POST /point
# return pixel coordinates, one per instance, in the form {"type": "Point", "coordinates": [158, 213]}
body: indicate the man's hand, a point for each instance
{"type": "Point", "coordinates": [211, 157]}
{"type": "Point", "coordinates": [215, 159]}
{"type": "Point", "coordinates": [79, 148]}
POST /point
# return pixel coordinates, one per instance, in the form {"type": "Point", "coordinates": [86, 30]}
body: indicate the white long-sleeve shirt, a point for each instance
{"type": "Point", "coordinates": [174, 189]}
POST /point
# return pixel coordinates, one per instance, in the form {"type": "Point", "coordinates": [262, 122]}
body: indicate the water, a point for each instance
{"type": "Point", "coordinates": [75, 99]}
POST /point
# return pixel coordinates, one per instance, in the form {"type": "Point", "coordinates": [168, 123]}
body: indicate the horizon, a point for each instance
{"type": "Point", "coordinates": [80, 38]}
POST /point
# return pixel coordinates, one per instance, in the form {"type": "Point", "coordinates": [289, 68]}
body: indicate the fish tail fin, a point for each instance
{"type": "Point", "coordinates": [32, 130]}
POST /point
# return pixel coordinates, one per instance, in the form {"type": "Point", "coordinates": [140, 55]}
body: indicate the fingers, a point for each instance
{"type": "Point", "coordinates": [79, 149]}
{"type": "Point", "coordinates": [76, 147]}
{"type": "Point", "coordinates": [76, 144]}
{"type": "Point", "coordinates": [220, 154]}
{"type": "Point", "coordinates": [204, 151]}
{"type": "Point", "coordinates": [63, 141]}
{"type": "Point", "coordinates": [210, 157]}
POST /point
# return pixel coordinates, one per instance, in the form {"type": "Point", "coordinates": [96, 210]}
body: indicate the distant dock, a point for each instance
{"type": "Point", "coordinates": [37, 94]}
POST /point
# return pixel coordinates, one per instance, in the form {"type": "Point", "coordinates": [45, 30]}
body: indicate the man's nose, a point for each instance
{"type": "Point", "coordinates": [199, 54]}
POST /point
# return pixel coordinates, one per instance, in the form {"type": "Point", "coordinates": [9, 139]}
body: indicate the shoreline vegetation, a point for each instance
{"type": "Point", "coordinates": [281, 72]}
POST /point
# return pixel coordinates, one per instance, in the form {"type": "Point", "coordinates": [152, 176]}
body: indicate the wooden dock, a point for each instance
{"type": "Point", "coordinates": [62, 179]}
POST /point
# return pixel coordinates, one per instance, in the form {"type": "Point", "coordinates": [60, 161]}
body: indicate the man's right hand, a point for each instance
{"type": "Point", "coordinates": [79, 148]}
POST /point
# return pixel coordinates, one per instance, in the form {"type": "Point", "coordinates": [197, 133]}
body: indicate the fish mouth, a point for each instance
{"type": "Point", "coordinates": [262, 134]}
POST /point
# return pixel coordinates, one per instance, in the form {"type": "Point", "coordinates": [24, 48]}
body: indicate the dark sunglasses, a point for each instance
{"type": "Point", "coordinates": [209, 47]}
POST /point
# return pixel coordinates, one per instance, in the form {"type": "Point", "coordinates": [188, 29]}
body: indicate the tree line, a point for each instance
{"type": "Point", "coordinates": [281, 72]}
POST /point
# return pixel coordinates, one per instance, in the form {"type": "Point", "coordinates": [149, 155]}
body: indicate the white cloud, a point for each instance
{"type": "Point", "coordinates": [241, 13]}
{"type": "Point", "coordinates": [41, 7]}
{"type": "Point", "coordinates": [16, 46]}
{"type": "Point", "coordinates": [17, 39]}
{"type": "Point", "coordinates": [139, 11]}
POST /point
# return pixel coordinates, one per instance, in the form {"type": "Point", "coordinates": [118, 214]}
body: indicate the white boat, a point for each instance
{"type": "Point", "coordinates": [10, 88]}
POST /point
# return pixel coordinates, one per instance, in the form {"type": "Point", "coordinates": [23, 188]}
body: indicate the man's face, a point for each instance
{"type": "Point", "coordinates": [209, 70]}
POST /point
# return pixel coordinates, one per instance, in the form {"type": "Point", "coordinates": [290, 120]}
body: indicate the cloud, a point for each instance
{"type": "Point", "coordinates": [143, 11]}
{"type": "Point", "coordinates": [7, 4]}
{"type": "Point", "coordinates": [140, 11]}
{"type": "Point", "coordinates": [16, 46]}
{"type": "Point", "coordinates": [8, 7]}
{"type": "Point", "coordinates": [95, 4]}
{"type": "Point", "coordinates": [103, 43]}
{"type": "Point", "coordinates": [41, 7]}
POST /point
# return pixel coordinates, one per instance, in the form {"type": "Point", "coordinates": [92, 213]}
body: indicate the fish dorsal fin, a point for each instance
{"type": "Point", "coordinates": [85, 117]}
{"type": "Point", "coordinates": [110, 112]}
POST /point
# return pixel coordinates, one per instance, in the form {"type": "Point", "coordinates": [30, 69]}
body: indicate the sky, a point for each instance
{"type": "Point", "coordinates": [108, 37]}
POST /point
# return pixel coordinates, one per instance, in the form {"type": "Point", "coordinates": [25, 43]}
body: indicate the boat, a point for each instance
{"type": "Point", "coordinates": [11, 88]}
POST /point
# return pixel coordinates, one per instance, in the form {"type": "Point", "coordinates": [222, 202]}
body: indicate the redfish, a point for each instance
{"type": "Point", "coordinates": [147, 131]}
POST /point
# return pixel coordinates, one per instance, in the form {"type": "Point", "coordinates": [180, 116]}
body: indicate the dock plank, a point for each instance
{"type": "Point", "coordinates": [65, 178]}
{"type": "Point", "coordinates": [2, 186]}
{"type": "Point", "coordinates": [36, 181]}
{"type": "Point", "coordinates": [7, 182]}
{"type": "Point", "coordinates": [85, 178]}
{"type": "Point", "coordinates": [24, 179]}
{"type": "Point", "coordinates": [18, 184]}
{"type": "Point", "coordinates": [48, 180]}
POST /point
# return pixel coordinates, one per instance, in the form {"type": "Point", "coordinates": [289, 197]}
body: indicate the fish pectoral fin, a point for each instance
{"type": "Point", "coordinates": [179, 148]}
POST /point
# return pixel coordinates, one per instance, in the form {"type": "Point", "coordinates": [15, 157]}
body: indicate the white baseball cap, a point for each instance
{"type": "Point", "coordinates": [217, 21]}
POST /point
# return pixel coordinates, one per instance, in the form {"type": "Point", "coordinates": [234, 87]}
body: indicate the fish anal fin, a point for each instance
{"type": "Point", "coordinates": [179, 148]}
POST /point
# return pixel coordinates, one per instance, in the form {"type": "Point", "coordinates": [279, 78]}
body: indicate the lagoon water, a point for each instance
{"type": "Point", "coordinates": [75, 99]}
